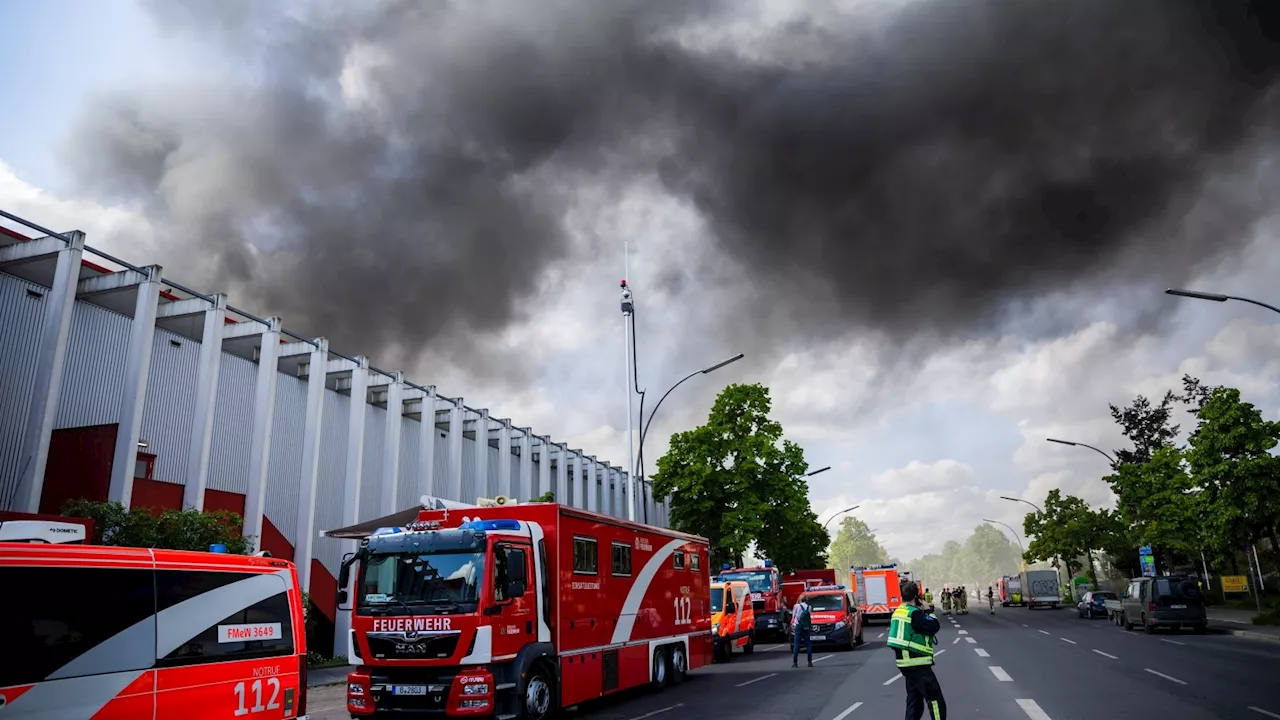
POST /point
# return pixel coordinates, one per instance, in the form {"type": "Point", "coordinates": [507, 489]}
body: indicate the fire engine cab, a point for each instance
{"type": "Point", "coordinates": [835, 616]}
{"type": "Point", "coordinates": [520, 610]}
{"type": "Point", "coordinates": [765, 583]}
{"type": "Point", "coordinates": [733, 619]}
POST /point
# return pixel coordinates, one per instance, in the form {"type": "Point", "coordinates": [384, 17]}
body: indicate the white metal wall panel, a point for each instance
{"type": "Point", "coordinates": [375, 428]}
{"type": "Point", "coordinates": [491, 484]}
{"type": "Point", "coordinates": [287, 425]}
{"type": "Point", "coordinates": [442, 463]}
{"type": "Point", "coordinates": [410, 460]}
{"type": "Point", "coordinates": [329, 487]}
{"type": "Point", "coordinates": [515, 474]}
{"type": "Point", "coordinates": [470, 488]}
{"type": "Point", "coordinates": [94, 375]}
{"type": "Point", "coordinates": [169, 409]}
{"type": "Point", "coordinates": [232, 425]}
{"type": "Point", "coordinates": [21, 318]}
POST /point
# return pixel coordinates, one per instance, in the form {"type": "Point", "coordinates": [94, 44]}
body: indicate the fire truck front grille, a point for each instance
{"type": "Point", "coordinates": [426, 647]}
{"type": "Point", "coordinates": [437, 689]}
{"type": "Point", "coordinates": [757, 605]}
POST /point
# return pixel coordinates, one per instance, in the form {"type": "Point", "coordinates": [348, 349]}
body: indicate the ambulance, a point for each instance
{"type": "Point", "coordinates": [835, 617]}
{"type": "Point", "coordinates": [733, 619]}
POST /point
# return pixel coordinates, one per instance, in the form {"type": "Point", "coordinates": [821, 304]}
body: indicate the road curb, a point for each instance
{"type": "Point", "coordinates": [1248, 634]}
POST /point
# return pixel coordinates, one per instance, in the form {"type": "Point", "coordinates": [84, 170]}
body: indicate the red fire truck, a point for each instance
{"type": "Point", "coordinates": [772, 614]}
{"type": "Point", "coordinates": [116, 633]}
{"type": "Point", "coordinates": [521, 610]}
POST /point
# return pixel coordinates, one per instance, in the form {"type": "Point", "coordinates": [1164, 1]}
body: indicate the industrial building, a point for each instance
{"type": "Point", "coordinates": [119, 384]}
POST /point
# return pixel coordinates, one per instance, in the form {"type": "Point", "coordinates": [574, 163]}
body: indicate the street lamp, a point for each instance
{"type": "Point", "coordinates": [644, 432]}
{"type": "Point", "coordinates": [1037, 507]}
{"type": "Point", "coordinates": [1015, 537]}
{"type": "Point", "coordinates": [1080, 444]}
{"type": "Point", "coordinates": [833, 517]}
{"type": "Point", "coordinates": [819, 470]}
{"type": "Point", "coordinates": [1216, 297]}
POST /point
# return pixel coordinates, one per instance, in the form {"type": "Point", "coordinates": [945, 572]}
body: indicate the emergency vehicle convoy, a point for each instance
{"type": "Point", "coordinates": [836, 617]}
{"type": "Point", "coordinates": [877, 589]}
{"type": "Point", "coordinates": [521, 610]}
{"type": "Point", "coordinates": [116, 633]}
{"type": "Point", "coordinates": [733, 619]}
{"type": "Point", "coordinates": [773, 615]}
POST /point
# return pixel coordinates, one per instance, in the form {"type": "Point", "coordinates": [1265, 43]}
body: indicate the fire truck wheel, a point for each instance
{"type": "Point", "coordinates": [539, 695]}
{"type": "Point", "coordinates": [660, 666]}
{"type": "Point", "coordinates": [751, 642]}
{"type": "Point", "coordinates": [679, 664]}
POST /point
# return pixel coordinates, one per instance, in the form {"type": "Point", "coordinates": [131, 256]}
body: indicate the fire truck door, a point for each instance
{"type": "Point", "coordinates": [513, 587]}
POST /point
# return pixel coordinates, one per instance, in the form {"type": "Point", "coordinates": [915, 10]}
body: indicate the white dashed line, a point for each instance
{"type": "Point", "coordinates": [847, 710]}
{"type": "Point", "coordinates": [891, 680]}
{"type": "Point", "coordinates": [1113, 657]}
{"type": "Point", "coordinates": [658, 712]}
{"type": "Point", "coordinates": [1046, 632]}
{"type": "Point", "coordinates": [1024, 624]}
{"type": "Point", "coordinates": [756, 680]}
{"type": "Point", "coordinates": [1264, 712]}
{"type": "Point", "coordinates": [981, 652]}
{"type": "Point", "coordinates": [1166, 677]}
{"type": "Point", "coordinates": [1073, 642]}
{"type": "Point", "coordinates": [1033, 710]}
{"type": "Point", "coordinates": [964, 632]}
{"type": "Point", "coordinates": [1173, 642]}
{"type": "Point", "coordinates": [1000, 674]}
{"type": "Point", "coordinates": [940, 651]}
{"type": "Point", "coordinates": [970, 640]}
{"type": "Point", "coordinates": [880, 636]}
{"type": "Point", "coordinates": [824, 657]}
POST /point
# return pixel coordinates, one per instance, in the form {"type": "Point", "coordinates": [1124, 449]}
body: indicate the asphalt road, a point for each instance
{"type": "Point", "coordinates": [1016, 665]}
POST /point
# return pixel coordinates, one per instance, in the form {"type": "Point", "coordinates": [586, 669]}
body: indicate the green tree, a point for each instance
{"type": "Point", "coordinates": [1149, 427]}
{"type": "Point", "coordinates": [1160, 505]}
{"type": "Point", "coordinates": [735, 477]}
{"type": "Point", "coordinates": [1066, 530]}
{"type": "Point", "coordinates": [854, 544]}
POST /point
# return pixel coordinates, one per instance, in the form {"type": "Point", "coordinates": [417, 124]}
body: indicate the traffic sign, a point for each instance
{"type": "Point", "coordinates": [1235, 584]}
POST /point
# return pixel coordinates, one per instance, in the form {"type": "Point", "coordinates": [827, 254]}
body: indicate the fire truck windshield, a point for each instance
{"type": "Point", "coordinates": [392, 583]}
{"type": "Point", "coordinates": [825, 602]}
{"type": "Point", "coordinates": [756, 581]}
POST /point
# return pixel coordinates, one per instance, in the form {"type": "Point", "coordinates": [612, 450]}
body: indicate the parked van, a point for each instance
{"type": "Point", "coordinates": [115, 633]}
{"type": "Point", "coordinates": [1164, 601]}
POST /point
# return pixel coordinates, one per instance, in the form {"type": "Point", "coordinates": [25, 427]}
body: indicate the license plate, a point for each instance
{"type": "Point", "coordinates": [1178, 607]}
{"type": "Point", "coordinates": [817, 637]}
{"type": "Point", "coordinates": [409, 690]}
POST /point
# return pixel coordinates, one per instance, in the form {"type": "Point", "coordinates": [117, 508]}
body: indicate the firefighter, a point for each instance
{"type": "Point", "coordinates": [928, 596]}
{"type": "Point", "coordinates": [991, 599]}
{"type": "Point", "coordinates": [912, 634]}
{"type": "Point", "coordinates": [946, 601]}
{"type": "Point", "coordinates": [963, 595]}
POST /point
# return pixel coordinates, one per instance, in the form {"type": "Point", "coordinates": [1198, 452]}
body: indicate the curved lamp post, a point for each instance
{"type": "Point", "coordinates": [1015, 537]}
{"type": "Point", "coordinates": [1216, 297]}
{"type": "Point", "coordinates": [833, 517]}
{"type": "Point", "coordinates": [1080, 444]}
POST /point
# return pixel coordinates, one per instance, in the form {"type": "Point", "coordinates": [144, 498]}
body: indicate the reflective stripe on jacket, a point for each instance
{"type": "Point", "coordinates": [912, 648]}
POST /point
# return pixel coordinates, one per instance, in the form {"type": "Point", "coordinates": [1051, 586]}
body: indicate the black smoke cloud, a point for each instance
{"type": "Point", "coordinates": [399, 175]}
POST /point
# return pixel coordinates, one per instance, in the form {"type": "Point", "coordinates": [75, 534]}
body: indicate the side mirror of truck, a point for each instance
{"type": "Point", "coordinates": [515, 567]}
{"type": "Point", "coordinates": [515, 589]}
{"type": "Point", "coordinates": [344, 577]}
{"type": "Point", "coordinates": [342, 599]}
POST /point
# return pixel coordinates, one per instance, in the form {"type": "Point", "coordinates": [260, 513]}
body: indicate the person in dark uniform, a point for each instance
{"type": "Point", "coordinates": [913, 631]}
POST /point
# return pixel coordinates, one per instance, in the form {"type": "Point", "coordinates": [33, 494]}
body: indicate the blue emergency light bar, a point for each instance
{"type": "Point", "coordinates": [218, 548]}
{"type": "Point", "coordinates": [768, 563]}
{"type": "Point", "coordinates": [486, 525]}
{"type": "Point", "coordinates": [724, 566]}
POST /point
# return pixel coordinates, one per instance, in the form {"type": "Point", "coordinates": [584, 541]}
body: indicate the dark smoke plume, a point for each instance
{"type": "Point", "coordinates": [395, 175]}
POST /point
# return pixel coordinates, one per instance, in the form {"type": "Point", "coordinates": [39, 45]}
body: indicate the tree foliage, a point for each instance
{"type": "Point", "coordinates": [114, 524]}
{"type": "Point", "coordinates": [986, 554]}
{"type": "Point", "coordinates": [1064, 531]}
{"type": "Point", "coordinates": [735, 480]}
{"type": "Point", "coordinates": [854, 544]}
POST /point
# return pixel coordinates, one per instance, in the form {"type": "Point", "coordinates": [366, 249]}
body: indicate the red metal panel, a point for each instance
{"type": "Point", "coordinates": [324, 590]}
{"type": "Point", "coordinates": [156, 496]}
{"type": "Point", "coordinates": [223, 500]}
{"type": "Point", "coordinates": [274, 541]}
{"type": "Point", "coordinates": [79, 466]}
{"type": "Point", "coordinates": [582, 678]}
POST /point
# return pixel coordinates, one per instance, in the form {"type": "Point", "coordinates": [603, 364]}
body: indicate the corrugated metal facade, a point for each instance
{"type": "Point", "coordinates": [91, 396]}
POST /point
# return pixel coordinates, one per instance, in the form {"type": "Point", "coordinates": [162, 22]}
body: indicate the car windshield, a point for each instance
{"type": "Point", "coordinates": [825, 603]}
{"type": "Point", "coordinates": [756, 581]}
{"type": "Point", "coordinates": [398, 581]}
{"type": "Point", "coordinates": [717, 600]}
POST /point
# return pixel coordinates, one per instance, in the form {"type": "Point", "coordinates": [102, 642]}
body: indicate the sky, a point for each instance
{"type": "Point", "coordinates": [933, 259]}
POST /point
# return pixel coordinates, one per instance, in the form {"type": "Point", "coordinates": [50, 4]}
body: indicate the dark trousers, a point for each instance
{"type": "Point", "coordinates": [795, 645]}
{"type": "Point", "coordinates": [924, 693]}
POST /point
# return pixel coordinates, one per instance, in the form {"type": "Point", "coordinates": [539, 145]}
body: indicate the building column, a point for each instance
{"type": "Point", "coordinates": [481, 485]}
{"type": "Point", "coordinates": [544, 467]}
{"type": "Point", "coordinates": [264, 408]}
{"type": "Point", "coordinates": [457, 417]}
{"type": "Point", "coordinates": [353, 478]}
{"type": "Point", "coordinates": [215, 316]}
{"type": "Point", "coordinates": [50, 362]}
{"type": "Point", "coordinates": [526, 493]}
{"type": "Point", "coordinates": [562, 474]}
{"type": "Point", "coordinates": [504, 459]}
{"type": "Point", "coordinates": [133, 395]}
{"type": "Point", "coordinates": [309, 469]}
{"type": "Point", "coordinates": [593, 485]}
{"type": "Point", "coordinates": [391, 444]}
{"type": "Point", "coordinates": [427, 440]}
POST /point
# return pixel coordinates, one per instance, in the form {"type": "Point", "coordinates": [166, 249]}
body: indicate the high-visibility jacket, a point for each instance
{"type": "Point", "coordinates": [916, 649]}
{"type": "Point", "coordinates": [928, 597]}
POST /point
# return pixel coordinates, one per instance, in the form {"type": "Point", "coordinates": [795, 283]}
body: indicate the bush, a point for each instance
{"type": "Point", "coordinates": [113, 524]}
{"type": "Point", "coordinates": [1267, 617]}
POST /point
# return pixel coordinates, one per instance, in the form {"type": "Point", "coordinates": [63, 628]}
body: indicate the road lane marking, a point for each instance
{"type": "Point", "coordinates": [824, 657]}
{"type": "Point", "coordinates": [1113, 657]}
{"type": "Point", "coordinates": [1033, 710]}
{"type": "Point", "coordinates": [970, 640]}
{"type": "Point", "coordinates": [1166, 677]}
{"type": "Point", "coordinates": [1024, 624]}
{"type": "Point", "coordinates": [1173, 642]}
{"type": "Point", "coordinates": [767, 648]}
{"type": "Point", "coordinates": [892, 679]}
{"type": "Point", "coordinates": [847, 710]}
{"type": "Point", "coordinates": [658, 712]}
{"type": "Point", "coordinates": [940, 651]}
{"type": "Point", "coordinates": [964, 632]}
{"type": "Point", "coordinates": [1046, 632]}
{"type": "Point", "coordinates": [880, 636]}
{"type": "Point", "coordinates": [981, 652]}
{"type": "Point", "coordinates": [1264, 712]}
{"type": "Point", "coordinates": [755, 680]}
{"type": "Point", "coordinates": [1000, 674]}
{"type": "Point", "coordinates": [1073, 642]}
{"type": "Point", "coordinates": [953, 642]}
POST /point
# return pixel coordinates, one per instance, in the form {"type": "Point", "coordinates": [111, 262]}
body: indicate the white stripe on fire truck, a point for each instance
{"type": "Point", "coordinates": [640, 588]}
{"type": "Point", "coordinates": [85, 685]}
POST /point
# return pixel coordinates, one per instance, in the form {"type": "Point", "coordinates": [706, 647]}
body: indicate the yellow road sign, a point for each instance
{"type": "Point", "coordinates": [1235, 584]}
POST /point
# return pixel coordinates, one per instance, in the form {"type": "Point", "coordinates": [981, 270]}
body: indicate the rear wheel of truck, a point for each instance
{"type": "Point", "coordinates": [539, 695]}
{"type": "Point", "coordinates": [679, 664]}
{"type": "Point", "coordinates": [661, 666]}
